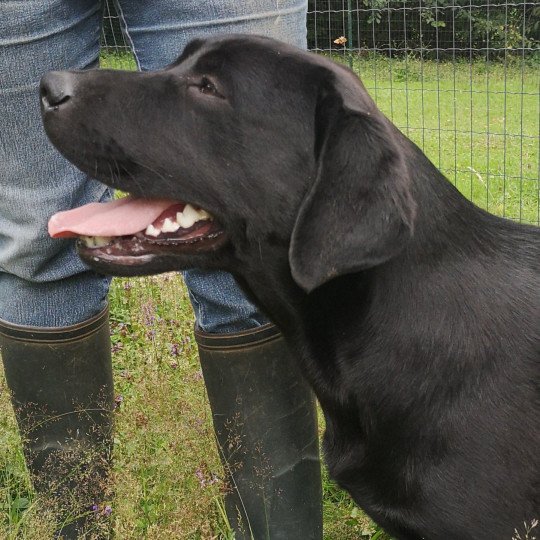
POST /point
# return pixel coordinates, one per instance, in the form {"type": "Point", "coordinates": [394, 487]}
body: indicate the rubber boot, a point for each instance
{"type": "Point", "coordinates": [62, 393]}
{"type": "Point", "coordinates": [266, 427]}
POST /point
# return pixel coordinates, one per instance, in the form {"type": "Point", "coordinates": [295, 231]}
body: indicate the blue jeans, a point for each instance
{"type": "Point", "coordinates": [42, 281]}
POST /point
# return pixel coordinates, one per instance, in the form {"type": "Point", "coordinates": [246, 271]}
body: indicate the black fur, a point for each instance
{"type": "Point", "coordinates": [413, 313]}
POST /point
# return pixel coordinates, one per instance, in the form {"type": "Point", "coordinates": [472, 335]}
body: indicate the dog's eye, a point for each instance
{"type": "Point", "coordinates": [204, 85]}
{"type": "Point", "coordinates": [208, 87]}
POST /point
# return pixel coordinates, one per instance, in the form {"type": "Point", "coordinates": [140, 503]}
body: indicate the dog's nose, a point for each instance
{"type": "Point", "coordinates": [56, 88]}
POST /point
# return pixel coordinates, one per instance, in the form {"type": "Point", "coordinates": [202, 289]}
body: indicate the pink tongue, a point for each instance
{"type": "Point", "coordinates": [115, 218]}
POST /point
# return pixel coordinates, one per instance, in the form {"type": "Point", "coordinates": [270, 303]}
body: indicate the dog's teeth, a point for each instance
{"type": "Point", "coordinates": [169, 226]}
{"type": "Point", "coordinates": [190, 215]}
{"type": "Point", "coordinates": [187, 218]}
{"type": "Point", "coordinates": [204, 214]}
{"type": "Point", "coordinates": [197, 213]}
{"type": "Point", "coordinates": [184, 221]}
{"type": "Point", "coordinates": [88, 241]}
{"type": "Point", "coordinates": [100, 241]}
{"type": "Point", "coordinates": [96, 241]}
{"type": "Point", "coordinates": [152, 231]}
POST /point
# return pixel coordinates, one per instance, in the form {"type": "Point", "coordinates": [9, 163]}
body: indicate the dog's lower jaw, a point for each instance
{"type": "Point", "coordinates": [146, 258]}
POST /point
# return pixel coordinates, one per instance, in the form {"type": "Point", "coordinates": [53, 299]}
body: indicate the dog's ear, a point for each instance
{"type": "Point", "coordinates": [359, 212]}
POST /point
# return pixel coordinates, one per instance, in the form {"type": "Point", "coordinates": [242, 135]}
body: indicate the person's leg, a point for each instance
{"type": "Point", "coordinates": [157, 33]}
{"type": "Point", "coordinates": [258, 399]}
{"type": "Point", "coordinates": [43, 281]}
{"type": "Point", "coordinates": [54, 336]}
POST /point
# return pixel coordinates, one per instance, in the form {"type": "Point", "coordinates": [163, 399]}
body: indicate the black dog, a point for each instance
{"type": "Point", "coordinates": [413, 313]}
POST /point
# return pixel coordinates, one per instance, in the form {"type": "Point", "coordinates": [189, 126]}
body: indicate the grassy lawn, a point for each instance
{"type": "Point", "coordinates": [479, 124]}
{"type": "Point", "coordinates": [164, 447]}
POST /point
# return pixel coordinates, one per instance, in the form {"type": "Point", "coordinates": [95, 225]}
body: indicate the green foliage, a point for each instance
{"type": "Point", "coordinates": [438, 28]}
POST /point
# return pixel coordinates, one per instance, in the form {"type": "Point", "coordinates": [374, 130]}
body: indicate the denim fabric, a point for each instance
{"type": "Point", "coordinates": [158, 31]}
{"type": "Point", "coordinates": [42, 281]}
{"type": "Point", "coordinates": [219, 304]}
{"type": "Point", "coordinates": [35, 181]}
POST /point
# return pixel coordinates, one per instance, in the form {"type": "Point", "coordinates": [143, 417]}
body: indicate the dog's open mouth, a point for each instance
{"type": "Point", "coordinates": [131, 231]}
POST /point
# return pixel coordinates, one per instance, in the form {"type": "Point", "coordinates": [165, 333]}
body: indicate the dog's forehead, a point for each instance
{"type": "Point", "coordinates": [242, 50]}
{"type": "Point", "coordinates": [245, 54]}
{"type": "Point", "coordinates": [258, 51]}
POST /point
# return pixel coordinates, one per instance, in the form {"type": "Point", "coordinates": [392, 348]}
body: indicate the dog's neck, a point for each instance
{"type": "Point", "coordinates": [362, 303]}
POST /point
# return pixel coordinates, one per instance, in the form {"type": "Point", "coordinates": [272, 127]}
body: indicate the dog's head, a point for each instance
{"type": "Point", "coordinates": [280, 153]}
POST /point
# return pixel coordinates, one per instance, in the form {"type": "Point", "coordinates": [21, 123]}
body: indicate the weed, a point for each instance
{"type": "Point", "coordinates": [527, 531]}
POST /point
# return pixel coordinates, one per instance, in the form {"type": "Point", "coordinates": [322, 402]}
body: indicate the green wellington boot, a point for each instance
{"type": "Point", "coordinates": [62, 394]}
{"type": "Point", "coordinates": [266, 427]}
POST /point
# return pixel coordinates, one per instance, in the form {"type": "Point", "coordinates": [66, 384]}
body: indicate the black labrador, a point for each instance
{"type": "Point", "coordinates": [413, 313]}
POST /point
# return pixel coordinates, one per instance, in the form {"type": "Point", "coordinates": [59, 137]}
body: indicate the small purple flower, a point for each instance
{"type": "Point", "coordinates": [151, 334]}
{"type": "Point", "coordinates": [127, 286]}
{"type": "Point", "coordinates": [117, 347]}
{"type": "Point", "coordinates": [200, 476]}
{"type": "Point", "coordinates": [148, 312]}
{"type": "Point", "coordinates": [102, 510]}
{"type": "Point", "coordinates": [175, 349]}
{"type": "Point", "coordinates": [205, 477]}
{"type": "Point", "coordinates": [123, 329]}
{"type": "Point", "coordinates": [118, 400]}
{"type": "Point", "coordinates": [198, 426]}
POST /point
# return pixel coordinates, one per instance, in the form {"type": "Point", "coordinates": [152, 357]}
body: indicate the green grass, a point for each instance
{"type": "Point", "coordinates": [164, 440]}
{"type": "Point", "coordinates": [478, 123]}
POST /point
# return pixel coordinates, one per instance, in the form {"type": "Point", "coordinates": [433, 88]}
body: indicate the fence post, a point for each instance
{"type": "Point", "coordinates": [349, 31]}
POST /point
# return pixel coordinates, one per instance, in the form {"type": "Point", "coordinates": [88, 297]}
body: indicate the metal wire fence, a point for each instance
{"type": "Point", "coordinates": [460, 79]}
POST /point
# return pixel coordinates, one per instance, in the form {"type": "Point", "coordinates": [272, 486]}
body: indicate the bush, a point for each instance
{"type": "Point", "coordinates": [433, 28]}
